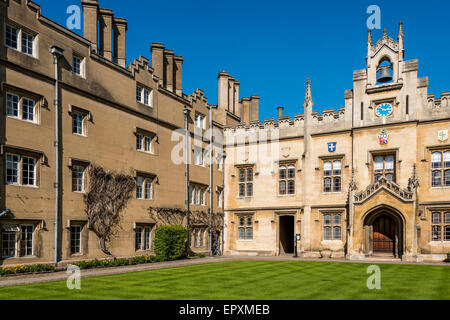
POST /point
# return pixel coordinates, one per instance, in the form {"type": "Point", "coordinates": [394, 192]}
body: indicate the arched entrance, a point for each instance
{"type": "Point", "coordinates": [383, 233]}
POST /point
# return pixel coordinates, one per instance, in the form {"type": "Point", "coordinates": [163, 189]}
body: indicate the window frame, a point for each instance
{"type": "Point", "coordinates": [83, 115]}
{"type": "Point", "coordinates": [21, 170]}
{"type": "Point", "coordinates": [384, 171]}
{"type": "Point", "coordinates": [443, 169]}
{"type": "Point", "coordinates": [144, 95]}
{"type": "Point", "coordinates": [82, 177]}
{"type": "Point", "coordinates": [246, 226]}
{"type": "Point", "coordinates": [332, 226]}
{"type": "Point", "coordinates": [443, 224]}
{"type": "Point", "coordinates": [21, 34]}
{"type": "Point", "coordinates": [79, 240]}
{"type": "Point", "coordinates": [287, 179]}
{"type": "Point", "coordinates": [246, 182]}
{"type": "Point", "coordinates": [20, 107]}
{"type": "Point", "coordinates": [81, 65]}
{"type": "Point", "coordinates": [332, 176]}
{"type": "Point", "coordinates": [9, 241]}
{"type": "Point", "coordinates": [143, 195]}
{"type": "Point", "coordinates": [142, 238]}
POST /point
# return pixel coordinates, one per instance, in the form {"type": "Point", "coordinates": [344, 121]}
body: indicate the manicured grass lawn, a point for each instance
{"type": "Point", "coordinates": [292, 280]}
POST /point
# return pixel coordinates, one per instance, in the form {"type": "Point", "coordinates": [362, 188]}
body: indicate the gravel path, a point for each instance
{"type": "Point", "coordinates": [62, 275]}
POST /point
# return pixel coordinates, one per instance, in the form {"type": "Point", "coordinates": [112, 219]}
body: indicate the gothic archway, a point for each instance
{"type": "Point", "coordinates": [384, 232]}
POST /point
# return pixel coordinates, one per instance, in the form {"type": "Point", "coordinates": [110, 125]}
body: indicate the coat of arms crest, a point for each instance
{"type": "Point", "coordinates": [442, 135]}
{"type": "Point", "coordinates": [383, 138]}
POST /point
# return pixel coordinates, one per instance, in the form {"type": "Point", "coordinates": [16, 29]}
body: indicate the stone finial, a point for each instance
{"type": "Point", "coordinates": [384, 34]}
{"type": "Point", "coordinates": [413, 182]}
{"type": "Point", "coordinates": [369, 37]}
{"type": "Point", "coordinates": [308, 95]}
{"type": "Point", "coordinates": [400, 29]}
{"type": "Point", "coordinates": [353, 186]}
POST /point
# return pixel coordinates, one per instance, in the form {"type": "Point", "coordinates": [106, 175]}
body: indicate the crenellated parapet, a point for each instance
{"type": "Point", "coordinates": [198, 95]}
{"type": "Point", "coordinates": [434, 103]}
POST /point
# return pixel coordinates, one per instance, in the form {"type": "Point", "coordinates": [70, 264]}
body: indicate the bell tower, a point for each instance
{"type": "Point", "coordinates": [384, 59]}
{"type": "Point", "coordinates": [388, 90]}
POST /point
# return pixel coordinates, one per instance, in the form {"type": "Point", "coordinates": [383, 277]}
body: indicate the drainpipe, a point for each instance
{"type": "Point", "coordinates": [57, 53]}
{"type": "Point", "coordinates": [224, 155]}
{"type": "Point", "coordinates": [186, 113]}
{"type": "Point", "coordinates": [211, 195]}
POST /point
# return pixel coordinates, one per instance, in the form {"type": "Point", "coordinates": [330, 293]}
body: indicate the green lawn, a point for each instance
{"type": "Point", "coordinates": [252, 280]}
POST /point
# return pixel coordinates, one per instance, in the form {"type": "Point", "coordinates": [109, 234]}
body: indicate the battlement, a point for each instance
{"type": "Point", "coordinates": [434, 103]}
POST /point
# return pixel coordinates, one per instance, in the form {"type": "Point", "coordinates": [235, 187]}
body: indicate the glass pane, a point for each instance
{"type": "Point", "coordinates": [378, 164]}
{"type": "Point", "coordinates": [337, 219]}
{"type": "Point", "coordinates": [337, 233]}
{"type": "Point", "coordinates": [242, 190]}
{"type": "Point", "coordinates": [327, 220]}
{"type": "Point", "coordinates": [337, 184]}
{"type": "Point", "coordinates": [291, 187]}
{"type": "Point", "coordinates": [447, 233]}
{"type": "Point", "coordinates": [377, 177]}
{"type": "Point", "coordinates": [447, 178]}
{"type": "Point", "coordinates": [436, 159]}
{"type": "Point", "coordinates": [436, 179]}
{"type": "Point", "coordinates": [436, 218]}
{"type": "Point", "coordinates": [389, 165]}
{"type": "Point", "coordinates": [249, 174]}
{"type": "Point", "coordinates": [249, 189]}
{"type": "Point", "coordinates": [241, 233]}
{"type": "Point", "coordinates": [327, 185]}
{"type": "Point", "coordinates": [241, 221]}
{"type": "Point", "coordinates": [282, 187]}
{"type": "Point", "coordinates": [249, 235]}
{"type": "Point", "coordinates": [436, 233]}
{"type": "Point", "coordinates": [447, 159]}
{"type": "Point", "coordinates": [327, 233]}
{"type": "Point", "coordinates": [327, 168]}
{"type": "Point", "coordinates": [241, 175]}
{"type": "Point", "coordinates": [337, 168]}
{"type": "Point", "coordinates": [249, 221]}
{"type": "Point", "coordinates": [282, 172]}
{"type": "Point", "coordinates": [447, 218]}
{"type": "Point", "coordinates": [390, 177]}
{"type": "Point", "coordinates": [291, 172]}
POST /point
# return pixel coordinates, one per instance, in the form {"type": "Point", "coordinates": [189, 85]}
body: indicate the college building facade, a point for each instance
{"type": "Point", "coordinates": [371, 179]}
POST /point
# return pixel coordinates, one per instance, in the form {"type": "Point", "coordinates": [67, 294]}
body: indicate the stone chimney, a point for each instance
{"type": "Point", "coordinates": [231, 101]}
{"type": "Point", "coordinates": [245, 111]}
{"type": "Point", "coordinates": [178, 61]}
{"type": "Point", "coordinates": [105, 33]}
{"type": "Point", "coordinates": [157, 50]}
{"type": "Point", "coordinates": [280, 112]}
{"type": "Point", "coordinates": [222, 102]}
{"type": "Point", "coordinates": [168, 70]}
{"type": "Point", "coordinates": [90, 18]}
{"type": "Point", "coordinates": [237, 105]}
{"type": "Point", "coordinates": [254, 108]}
{"type": "Point", "coordinates": [120, 29]}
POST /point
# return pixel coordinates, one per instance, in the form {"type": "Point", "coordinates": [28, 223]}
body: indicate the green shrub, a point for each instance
{"type": "Point", "coordinates": [201, 255]}
{"type": "Point", "coordinates": [170, 242]}
{"type": "Point", "coordinates": [26, 269]}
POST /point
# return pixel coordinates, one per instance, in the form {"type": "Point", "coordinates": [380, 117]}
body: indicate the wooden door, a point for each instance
{"type": "Point", "coordinates": [384, 234]}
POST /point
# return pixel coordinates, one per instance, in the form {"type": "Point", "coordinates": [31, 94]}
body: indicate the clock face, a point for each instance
{"type": "Point", "coordinates": [384, 110]}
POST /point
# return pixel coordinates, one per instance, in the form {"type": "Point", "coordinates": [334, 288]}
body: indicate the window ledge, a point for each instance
{"type": "Point", "coordinates": [79, 135]}
{"type": "Point", "coordinates": [21, 185]}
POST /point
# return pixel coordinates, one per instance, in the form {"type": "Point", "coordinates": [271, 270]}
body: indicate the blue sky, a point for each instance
{"type": "Point", "coordinates": [271, 47]}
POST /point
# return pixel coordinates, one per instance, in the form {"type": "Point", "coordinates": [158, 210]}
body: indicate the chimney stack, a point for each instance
{"type": "Point", "coordinates": [280, 112]}
{"type": "Point", "coordinates": [106, 19]}
{"type": "Point", "coordinates": [90, 17]}
{"type": "Point", "coordinates": [168, 69]}
{"type": "Point", "coordinates": [120, 29]}
{"type": "Point", "coordinates": [157, 50]}
{"type": "Point", "coordinates": [223, 91]}
{"type": "Point", "coordinates": [237, 106]}
{"type": "Point", "coordinates": [245, 111]}
{"type": "Point", "coordinates": [231, 107]}
{"type": "Point", "coordinates": [178, 61]}
{"type": "Point", "coordinates": [254, 108]}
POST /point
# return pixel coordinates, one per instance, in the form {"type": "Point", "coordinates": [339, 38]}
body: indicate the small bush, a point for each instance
{"type": "Point", "coordinates": [201, 255]}
{"type": "Point", "coordinates": [170, 242]}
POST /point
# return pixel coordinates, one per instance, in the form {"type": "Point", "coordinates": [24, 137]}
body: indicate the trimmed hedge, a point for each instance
{"type": "Point", "coordinates": [30, 268]}
{"type": "Point", "coordinates": [170, 242]}
{"type": "Point", "coordinates": [87, 264]}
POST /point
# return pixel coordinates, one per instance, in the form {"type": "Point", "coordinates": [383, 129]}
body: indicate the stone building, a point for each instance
{"type": "Point", "coordinates": [372, 179]}
{"type": "Point", "coordinates": [119, 117]}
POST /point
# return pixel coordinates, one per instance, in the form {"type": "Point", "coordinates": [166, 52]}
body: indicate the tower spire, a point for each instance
{"type": "Point", "coordinates": [384, 33]}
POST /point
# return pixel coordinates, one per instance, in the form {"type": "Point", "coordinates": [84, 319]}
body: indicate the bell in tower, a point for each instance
{"type": "Point", "coordinates": [385, 74]}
